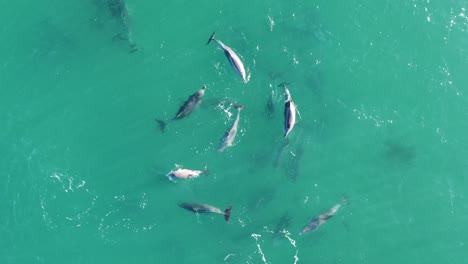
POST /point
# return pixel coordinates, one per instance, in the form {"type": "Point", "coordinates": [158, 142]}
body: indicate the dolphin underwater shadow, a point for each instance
{"type": "Point", "coordinates": [398, 154]}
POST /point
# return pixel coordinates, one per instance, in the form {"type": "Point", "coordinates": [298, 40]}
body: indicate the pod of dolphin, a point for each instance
{"type": "Point", "coordinates": [119, 11]}
{"type": "Point", "coordinates": [192, 103]}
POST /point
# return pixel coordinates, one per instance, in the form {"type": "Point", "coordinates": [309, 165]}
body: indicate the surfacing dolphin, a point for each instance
{"type": "Point", "coordinates": [186, 109]}
{"type": "Point", "coordinates": [315, 222]}
{"type": "Point", "coordinates": [230, 134]}
{"type": "Point", "coordinates": [181, 173]}
{"type": "Point", "coordinates": [206, 208]}
{"type": "Point", "coordinates": [289, 111]}
{"type": "Point", "coordinates": [232, 57]}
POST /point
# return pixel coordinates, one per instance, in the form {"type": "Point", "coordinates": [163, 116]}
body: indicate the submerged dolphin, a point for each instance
{"type": "Point", "coordinates": [229, 136]}
{"type": "Point", "coordinates": [206, 208]}
{"type": "Point", "coordinates": [186, 109]}
{"type": "Point", "coordinates": [270, 106]}
{"type": "Point", "coordinates": [280, 153]}
{"type": "Point", "coordinates": [232, 57]}
{"type": "Point", "coordinates": [119, 10]}
{"type": "Point", "coordinates": [289, 112]}
{"type": "Point", "coordinates": [315, 222]}
{"type": "Point", "coordinates": [181, 173]}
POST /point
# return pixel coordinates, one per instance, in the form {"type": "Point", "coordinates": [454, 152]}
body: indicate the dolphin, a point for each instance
{"type": "Point", "coordinates": [186, 109]}
{"type": "Point", "coordinates": [289, 112]}
{"type": "Point", "coordinates": [180, 173]}
{"type": "Point", "coordinates": [229, 136]}
{"type": "Point", "coordinates": [232, 57]}
{"type": "Point", "coordinates": [315, 222]}
{"type": "Point", "coordinates": [206, 208]}
{"type": "Point", "coordinates": [119, 10]}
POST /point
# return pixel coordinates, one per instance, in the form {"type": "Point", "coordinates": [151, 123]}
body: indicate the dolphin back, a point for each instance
{"type": "Point", "coordinates": [190, 104]}
{"type": "Point", "coordinates": [312, 225]}
{"type": "Point", "coordinates": [187, 108]}
{"type": "Point", "coordinates": [230, 134]}
{"type": "Point", "coordinates": [287, 118]}
{"type": "Point", "coordinates": [189, 206]}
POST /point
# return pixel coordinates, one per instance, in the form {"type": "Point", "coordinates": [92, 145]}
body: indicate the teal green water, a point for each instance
{"type": "Point", "coordinates": [381, 87]}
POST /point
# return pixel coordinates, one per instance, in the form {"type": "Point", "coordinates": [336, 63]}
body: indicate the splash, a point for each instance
{"type": "Point", "coordinates": [272, 23]}
{"type": "Point", "coordinates": [225, 107]}
{"type": "Point", "coordinates": [296, 258]}
{"type": "Point", "coordinates": [116, 218]}
{"type": "Point", "coordinates": [144, 202]}
{"type": "Point", "coordinates": [256, 236]}
{"type": "Point", "coordinates": [68, 182]}
{"type": "Point", "coordinates": [241, 222]}
{"type": "Point", "coordinates": [66, 189]}
{"type": "Point", "coordinates": [288, 236]}
{"type": "Point", "coordinates": [363, 114]}
{"type": "Point", "coordinates": [228, 256]}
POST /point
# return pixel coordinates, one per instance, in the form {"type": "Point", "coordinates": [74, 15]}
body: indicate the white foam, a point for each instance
{"type": "Point", "coordinates": [288, 236]}
{"type": "Point", "coordinates": [228, 256]}
{"type": "Point", "coordinates": [296, 258]}
{"type": "Point", "coordinates": [272, 23]}
{"type": "Point", "coordinates": [260, 251]}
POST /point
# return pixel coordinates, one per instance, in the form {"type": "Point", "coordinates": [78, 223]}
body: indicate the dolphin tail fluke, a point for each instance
{"type": "Point", "coordinates": [133, 47]}
{"type": "Point", "coordinates": [162, 125]}
{"type": "Point", "coordinates": [227, 213]}
{"type": "Point", "coordinates": [239, 107]}
{"type": "Point", "coordinates": [205, 171]}
{"type": "Point", "coordinates": [170, 177]}
{"type": "Point", "coordinates": [283, 84]}
{"type": "Point", "coordinates": [345, 199]}
{"type": "Point", "coordinates": [119, 37]}
{"type": "Point", "coordinates": [211, 38]}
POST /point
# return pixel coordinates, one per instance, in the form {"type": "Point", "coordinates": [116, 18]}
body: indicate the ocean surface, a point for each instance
{"type": "Point", "coordinates": [381, 88]}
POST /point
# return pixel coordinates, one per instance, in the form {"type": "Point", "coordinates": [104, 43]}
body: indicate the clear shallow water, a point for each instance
{"type": "Point", "coordinates": [381, 88]}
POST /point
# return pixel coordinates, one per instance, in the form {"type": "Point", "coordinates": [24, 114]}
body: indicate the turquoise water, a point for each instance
{"type": "Point", "coordinates": [381, 87]}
